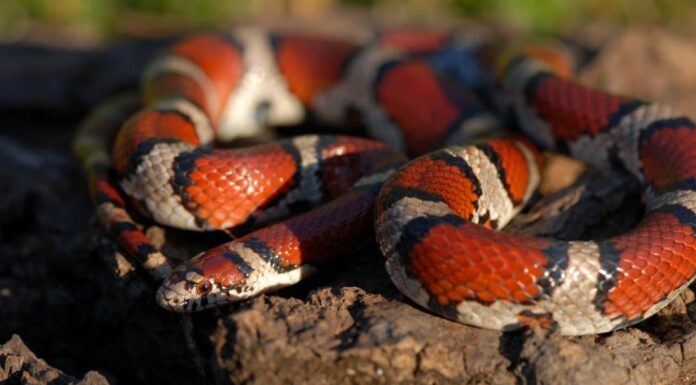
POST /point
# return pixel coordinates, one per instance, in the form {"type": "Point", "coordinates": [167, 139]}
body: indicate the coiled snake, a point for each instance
{"type": "Point", "coordinates": [435, 217]}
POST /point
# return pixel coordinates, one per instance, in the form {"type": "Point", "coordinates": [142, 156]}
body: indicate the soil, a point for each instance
{"type": "Point", "coordinates": [69, 295]}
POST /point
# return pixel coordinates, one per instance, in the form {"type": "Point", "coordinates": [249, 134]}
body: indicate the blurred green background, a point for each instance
{"type": "Point", "coordinates": [103, 18]}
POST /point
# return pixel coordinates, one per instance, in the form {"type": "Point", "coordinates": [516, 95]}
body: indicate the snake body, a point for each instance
{"type": "Point", "coordinates": [436, 218]}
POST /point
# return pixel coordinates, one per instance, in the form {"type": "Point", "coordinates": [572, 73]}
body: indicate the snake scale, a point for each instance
{"type": "Point", "coordinates": [436, 217]}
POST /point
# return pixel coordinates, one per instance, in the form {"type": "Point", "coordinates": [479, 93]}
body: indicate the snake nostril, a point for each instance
{"type": "Point", "coordinates": [175, 301]}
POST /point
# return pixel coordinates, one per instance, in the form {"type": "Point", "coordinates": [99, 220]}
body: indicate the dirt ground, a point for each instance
{"type": "Point", "coordinates": [69, 297]}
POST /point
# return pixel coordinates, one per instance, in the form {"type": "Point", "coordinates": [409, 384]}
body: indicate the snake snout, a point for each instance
{"type": "Point", "coordinates": [170, 299]}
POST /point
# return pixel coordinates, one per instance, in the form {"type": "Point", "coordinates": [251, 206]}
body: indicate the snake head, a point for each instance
{"type": "Point", "coordinates": [206, 281]}
{"type": "Point", "coordinates": [225, 274]}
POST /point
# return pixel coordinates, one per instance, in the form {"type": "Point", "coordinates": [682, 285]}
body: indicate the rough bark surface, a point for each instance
{"type": "Point", "coordinates": [18, 365]}
{"type": "Point", "coordinates": [82, 306]}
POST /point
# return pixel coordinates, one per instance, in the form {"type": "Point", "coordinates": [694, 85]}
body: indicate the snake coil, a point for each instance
{"type": "Point", "coordinates": [435, 217]}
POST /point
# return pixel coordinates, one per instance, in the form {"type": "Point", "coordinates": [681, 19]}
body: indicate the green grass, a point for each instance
{"type": "Point", "coordinates": [556, 16]}
{"type": "Point", "coordinates": [108, 17]}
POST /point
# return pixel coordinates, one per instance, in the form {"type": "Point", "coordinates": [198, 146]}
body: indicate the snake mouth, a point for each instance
{"type": "Point", "coordinates": [175, 297]}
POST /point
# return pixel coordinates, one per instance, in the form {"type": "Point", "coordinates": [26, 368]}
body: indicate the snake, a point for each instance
{"type": "Point", "coordinates": [453, 127]}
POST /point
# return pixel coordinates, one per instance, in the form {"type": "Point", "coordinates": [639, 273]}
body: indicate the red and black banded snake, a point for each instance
{"type": "Point", "coordinates": [436, 218]}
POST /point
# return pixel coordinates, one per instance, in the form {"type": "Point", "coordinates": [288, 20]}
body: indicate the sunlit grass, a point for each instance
{"type": "Point", "coordinates": [554, 16]}
{"type": "Point", "coordinates": [110, 17]}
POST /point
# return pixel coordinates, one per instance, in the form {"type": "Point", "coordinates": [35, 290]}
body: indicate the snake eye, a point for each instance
{"type": "Point", "coordinates": [203, 287]}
